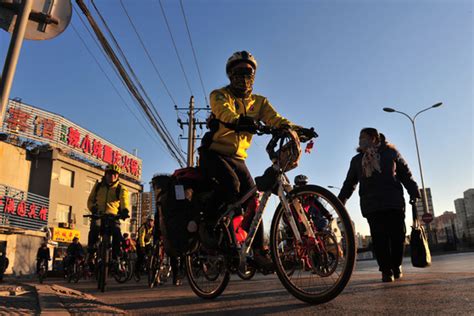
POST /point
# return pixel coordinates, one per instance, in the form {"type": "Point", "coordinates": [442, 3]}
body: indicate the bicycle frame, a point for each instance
{"type": "Point", "coordinates": [284, 189]}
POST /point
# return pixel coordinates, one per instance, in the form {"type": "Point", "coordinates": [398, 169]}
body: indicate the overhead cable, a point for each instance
{"type": "Point", "coordinates": [171, 146]}
{"type": "Point", "coordinates": [175, 48]}
{"type": "Point", "coordinates": [147, 53]}
{"type": "Point", "coordinates": [111, 83]}
{"type": "Point", "coordinates": [135, 77]}
{"type": "Point", "coordinates": [153, 109]}
{"type": "Point", "coordinates": [194, 52]}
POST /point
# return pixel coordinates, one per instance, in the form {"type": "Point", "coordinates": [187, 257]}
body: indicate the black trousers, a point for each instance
{"type": "Point", "coordinates": [116, 234]}
{"type": "Point", "coordinates": [234, 180]}
{"type": "Point", "coordinates": [388, 231]}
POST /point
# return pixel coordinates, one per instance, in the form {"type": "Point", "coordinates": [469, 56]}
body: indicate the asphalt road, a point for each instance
{"type": "Point", "coordinates": [447, 287]}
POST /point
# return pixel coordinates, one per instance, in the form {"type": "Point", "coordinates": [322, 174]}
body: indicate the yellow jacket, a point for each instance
{"type": "Point", "coordinates": [105, 198]}
{"type": "Point", "coordinates": [145, 236]}
{"type": "Point", "coordinates": [227, 108]}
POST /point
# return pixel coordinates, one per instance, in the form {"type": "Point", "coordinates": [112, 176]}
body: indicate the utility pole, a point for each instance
{"type": "Point", "coordinates": [192, 123]}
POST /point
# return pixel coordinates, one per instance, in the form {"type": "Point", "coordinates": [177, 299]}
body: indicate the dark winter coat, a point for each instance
{"type": "Point", "coordinates": [381, 191]}
{"type": "Point", "coordinates": [43, 253]}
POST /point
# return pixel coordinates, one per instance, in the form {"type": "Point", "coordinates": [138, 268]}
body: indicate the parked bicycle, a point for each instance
{"type": "Point", "coordinates": [313, 265]}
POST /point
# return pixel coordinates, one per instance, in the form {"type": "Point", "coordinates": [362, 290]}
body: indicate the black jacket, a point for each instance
{"type": "Point", "coordinates": [75, 250]}
{"type": "Point", "coordinates": [382, 191]}
{"type": "Point", "coordinates": [43, 253]}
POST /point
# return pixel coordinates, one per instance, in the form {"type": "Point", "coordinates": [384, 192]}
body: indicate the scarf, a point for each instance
{"type": "Point", "coordinates": [371, 161]}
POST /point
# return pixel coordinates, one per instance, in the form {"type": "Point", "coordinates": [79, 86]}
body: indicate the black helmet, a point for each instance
{"type": "Point", "coordinates": [301, 179]}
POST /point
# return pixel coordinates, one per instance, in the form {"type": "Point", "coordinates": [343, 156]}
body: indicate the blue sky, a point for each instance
{"type": "Point", "coordinates": [332, 65]}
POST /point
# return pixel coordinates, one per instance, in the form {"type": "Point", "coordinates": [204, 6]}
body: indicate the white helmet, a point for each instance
{"type": "Point", "coordinates": [238, 57]}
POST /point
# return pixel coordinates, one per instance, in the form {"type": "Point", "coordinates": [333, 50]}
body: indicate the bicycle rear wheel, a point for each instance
{"type": "Point", "coordinates": [122, 270]}
{"type": "Point", "coordinates": [207, 273]}
{"type": "Point", "coordinates": [322, 265]}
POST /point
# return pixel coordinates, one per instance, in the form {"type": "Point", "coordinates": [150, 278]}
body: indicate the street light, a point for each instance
{"type": "Point", "coordinates": [333, 187]}
{"type": "Point", "coordinates": [412, 120]}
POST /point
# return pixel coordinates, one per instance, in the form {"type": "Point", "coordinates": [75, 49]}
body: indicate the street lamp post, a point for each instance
{"type": "Point", "coordinates": [412, 120]}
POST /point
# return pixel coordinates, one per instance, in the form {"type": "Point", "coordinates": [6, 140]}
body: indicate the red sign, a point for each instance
{"type": "Point", "coordinates": [22, 209]}
{"type": "Point", "coordinates": [427, 218]}
{"type": "Point", "coordinates": [43, 126]}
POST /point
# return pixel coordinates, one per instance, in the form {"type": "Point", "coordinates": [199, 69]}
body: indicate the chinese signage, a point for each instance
{"type": "Point", "coordinates": [33, 123]}
{"type": "Point", "coordinates": [22, 209]}
{"type": "Point", "coordinates": [65, 235]}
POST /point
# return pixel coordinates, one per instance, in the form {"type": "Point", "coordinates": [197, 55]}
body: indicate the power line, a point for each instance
{"type": "Point", "coordinates": [175, 48]}
{"type": "Point", "coordinates": [170, 144]}
{"type": "Point", "coordinates": [109, 61]}
{"type": "Point", "coordinates": [154, 112]}
{"type": "Point", "coordinates": [147, 53]}
{"type": "Point", "coordinates": [194, 52]}
{"type": "Point", "coordinates": [110, 81]}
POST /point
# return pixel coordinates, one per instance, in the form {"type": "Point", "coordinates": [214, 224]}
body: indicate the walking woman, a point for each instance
{"type": "Point", "coordinates": [381, 172]}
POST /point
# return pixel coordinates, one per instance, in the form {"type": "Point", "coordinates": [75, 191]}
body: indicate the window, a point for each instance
{"type": "Point", "coordinates": [62, 213]}
{"type": "Point", "coordinates": [90, 184]}
{"type": "Point", "coordinates": [66, 177]}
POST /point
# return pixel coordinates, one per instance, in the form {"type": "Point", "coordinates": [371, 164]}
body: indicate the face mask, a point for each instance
{"type": "Point", "coordinates": [241, 81]}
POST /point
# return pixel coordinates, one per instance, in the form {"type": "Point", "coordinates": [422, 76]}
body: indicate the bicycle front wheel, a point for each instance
{"type": "Point", "coordinates": [154, 269]}
{"type": "Point", "coordinates": [317, 268]}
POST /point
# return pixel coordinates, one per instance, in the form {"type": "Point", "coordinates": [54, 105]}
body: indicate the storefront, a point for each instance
{"type": "Point", "coordinates": [63, 238]}
{"type": "Point", "coordinates": [49, 167]}
{"type": "Point", "coordinates": [23, 221]}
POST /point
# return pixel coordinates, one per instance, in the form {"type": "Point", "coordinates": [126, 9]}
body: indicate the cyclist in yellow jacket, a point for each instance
{"type": "Point", "coordinates": [108, 197]}
{"type": "Point", "coordinates": [224, 149]}
{"type": "Point", "coordinates": [144, 244]}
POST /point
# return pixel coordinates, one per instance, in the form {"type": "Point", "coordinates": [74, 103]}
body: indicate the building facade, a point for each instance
{"type": "Point", "coordinates": [48, 168]}
{"type": "Point", "coordinates": [465, 210]}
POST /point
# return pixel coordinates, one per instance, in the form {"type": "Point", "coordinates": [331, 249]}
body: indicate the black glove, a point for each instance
{"type": "Point", "coordinates": [123, 214]}
{"type": "Point", "coordinates": [246, 124]}
{"type": "Point", "coordinates": [94, 209]}
{"type": "Point", "coordinates": [305, 134]}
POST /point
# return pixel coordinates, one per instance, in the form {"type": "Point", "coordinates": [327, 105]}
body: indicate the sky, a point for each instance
{"type": "Point", "coordinates": [332, 65]}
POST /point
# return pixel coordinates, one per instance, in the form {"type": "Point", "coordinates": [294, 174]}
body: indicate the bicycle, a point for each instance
{"type": "Point", "coordinates": [103, 257]}
{"type": "Point", "coordinates": [75, 271]}
{"type": "Point", "coordinates": [314, 266]}
{"type": "Point", "coordinates": [43, 270]}
{"type": "Point", "coordinates": [159, 266]}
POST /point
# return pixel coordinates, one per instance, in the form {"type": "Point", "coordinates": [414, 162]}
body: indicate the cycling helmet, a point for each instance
{"type": "Point", "coordinates": [301, 179]}
{"type": "Point", "coordinates": [238, 57]}
{"type": "Point", "coordinates": [289, 153]}
{"type": "Point", "coordinates": [113, 168]}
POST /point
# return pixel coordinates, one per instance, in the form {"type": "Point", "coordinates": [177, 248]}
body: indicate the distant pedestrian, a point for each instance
{"type": "Point", "coordinates": [381, 171]}
{"type": "Point", "coordinates": [3, 263]}
{"type": "Point", "coordinates": [42, 255]}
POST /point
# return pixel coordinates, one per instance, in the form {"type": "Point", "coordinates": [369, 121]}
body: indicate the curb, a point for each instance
{"type": "Point", "coordinates": [48, 300]}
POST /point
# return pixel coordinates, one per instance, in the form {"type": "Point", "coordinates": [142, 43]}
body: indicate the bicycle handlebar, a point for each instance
{"type": "Point", "coordinates": [304, 134]}
{"type": "Point", "coordinates": [97, 216]}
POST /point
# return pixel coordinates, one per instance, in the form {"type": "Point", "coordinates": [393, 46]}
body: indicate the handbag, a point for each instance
{"type": "Point", "coordinates": [420, 250]}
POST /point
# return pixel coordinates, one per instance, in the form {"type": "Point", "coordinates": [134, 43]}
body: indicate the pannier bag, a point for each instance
{"type": "Point", "coordinates": [177, 210]}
